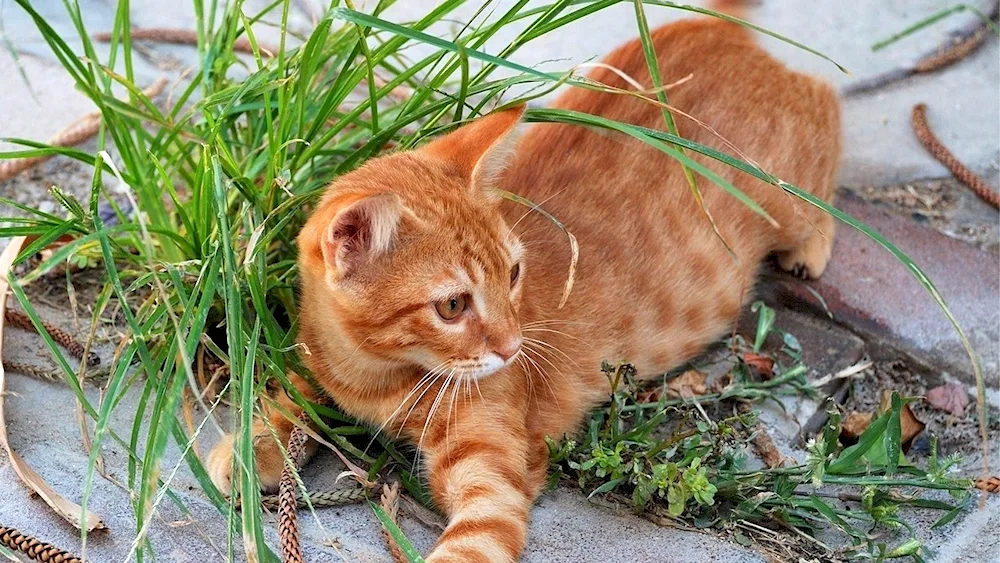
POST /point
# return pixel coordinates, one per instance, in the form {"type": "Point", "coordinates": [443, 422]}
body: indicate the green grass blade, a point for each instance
{"type": "Point", "coordinates": [401, 540]}
{"type": "Point", "coordinates": [643, 134]}
{"type": "Point", "coordinates": [931, 20]}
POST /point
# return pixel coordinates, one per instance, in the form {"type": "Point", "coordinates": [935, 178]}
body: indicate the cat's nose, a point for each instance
{"type": "Point", "coordinates": [508, 349]}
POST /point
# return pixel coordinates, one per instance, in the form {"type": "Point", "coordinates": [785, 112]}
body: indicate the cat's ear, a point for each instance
{"type": "Point", "coordinates": [361, 232]}
{"type": "Point", "coordinates": [482, 149]}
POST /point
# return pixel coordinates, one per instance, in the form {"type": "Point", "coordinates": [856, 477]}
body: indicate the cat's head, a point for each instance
{"type": "Point", "coordinates": [409, 262]}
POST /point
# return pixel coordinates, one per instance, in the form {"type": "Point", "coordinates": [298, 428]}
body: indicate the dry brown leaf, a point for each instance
{"type": "Point", "coordinates": [68, 510]}
{"type": "Point", "coordinates": [855, 424]}
{"type": "Point", "coordinates": [768, 451]}
{"type": "Point", "coordinates": [763, 364]}
{"type": "Point", "coordinates": [950, 397]}
{"type": "Point", "coordinates": [686, 385]}
{"type": "Point", "coordinates": [910, 425]}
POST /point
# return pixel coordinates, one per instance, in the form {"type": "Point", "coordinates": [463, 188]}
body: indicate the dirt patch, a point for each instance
{"type": "Point", "coordinates": [931, 199]}
{"type": "Point", "coordinates": [946, 204]}
{"type": "Point", "coordinates": [31, 187]}
{"type": "Point", "coordinates": [955, 434]}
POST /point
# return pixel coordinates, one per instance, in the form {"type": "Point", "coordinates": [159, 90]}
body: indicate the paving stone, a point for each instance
{"type": "Point", "coordinates": [975, 541]}
{"type": "Point", "coordinates": [876, 296]}
{"type": "Point", "coordinates": [826, 347]}
{"type": "Point", "coordinates": [565, 526]}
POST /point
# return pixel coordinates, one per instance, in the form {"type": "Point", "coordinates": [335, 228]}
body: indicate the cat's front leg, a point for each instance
{"type": "Point", "coordinates": [269, 439]}
{"type": "Point", "coordinates": [479, 476]}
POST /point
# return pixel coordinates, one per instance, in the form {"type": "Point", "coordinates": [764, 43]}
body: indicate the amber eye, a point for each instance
{"type": "Point", "coordinates": [450, 309]}
{"type": "Point", "coordinates": [515, 273]}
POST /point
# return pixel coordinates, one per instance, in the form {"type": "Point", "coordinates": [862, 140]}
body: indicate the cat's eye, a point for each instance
{"type": "Point", "coordinates": [449, 309]}
{"type": "Point", "coordinates": [515, 273]}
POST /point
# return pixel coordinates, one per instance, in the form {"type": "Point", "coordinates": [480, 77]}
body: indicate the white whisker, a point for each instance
{"type": "Point", "coordinates": [542, 355]}
{"type": "Point", "coordinates": [553, 349]}
{"type": "Point", "coordinates": [417, 401]}
{"type": "Point", "coordinates": [430, 414]}
{"type": "Point", "coordinates": [453, 405]}
{"type": "Point", "coordinates": [425, 378]}
{"type": "Point", "coordinates": [541, 373]}
{"type": "Point", "coordinates": [537, 329]}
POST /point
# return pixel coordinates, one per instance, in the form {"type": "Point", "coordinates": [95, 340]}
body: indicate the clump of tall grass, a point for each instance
{"type": "Point", "coordinates": [223, 175]}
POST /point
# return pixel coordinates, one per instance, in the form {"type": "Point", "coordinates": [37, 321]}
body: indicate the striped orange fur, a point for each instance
{"type": "Point", "coordinates": [429, 305]}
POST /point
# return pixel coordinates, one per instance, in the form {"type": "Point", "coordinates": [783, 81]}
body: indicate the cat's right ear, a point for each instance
{"type": "Point", "coordinates": [359, 233]}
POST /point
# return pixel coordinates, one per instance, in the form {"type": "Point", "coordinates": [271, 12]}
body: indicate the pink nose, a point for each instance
{"type": "Point", "coordinates": [509, 349]}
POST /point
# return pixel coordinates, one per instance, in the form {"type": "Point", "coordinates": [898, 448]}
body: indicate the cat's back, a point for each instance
{"type": "Point", "coordinates": [652, 272]}
{"type": "Point", "coordinates": [729, 93]}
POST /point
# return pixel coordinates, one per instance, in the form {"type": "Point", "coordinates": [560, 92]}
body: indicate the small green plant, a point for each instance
{"type": "Point", "coordinates": [668, 457]}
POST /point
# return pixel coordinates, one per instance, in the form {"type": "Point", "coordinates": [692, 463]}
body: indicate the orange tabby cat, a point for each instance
{"type": "Point", "coordinates": [429, 305]}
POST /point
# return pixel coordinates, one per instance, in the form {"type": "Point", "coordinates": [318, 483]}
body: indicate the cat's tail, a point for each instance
{"type": "Point", "coordinates": [735, 8]}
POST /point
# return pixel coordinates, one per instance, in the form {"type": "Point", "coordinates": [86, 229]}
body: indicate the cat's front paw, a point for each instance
{"type": "Point", "coordinates": [267, 453]}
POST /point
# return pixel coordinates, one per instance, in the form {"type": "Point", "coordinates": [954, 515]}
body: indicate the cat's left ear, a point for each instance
{"type": "Point", "coordinates": [482, 149]}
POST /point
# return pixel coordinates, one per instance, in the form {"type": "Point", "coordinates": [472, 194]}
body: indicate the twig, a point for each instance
{"type": "Point", "coordinates": [850, 371]}
{"type": "Point", "coordinates": [950, 54]}
{"type": "Point", "coordinates": [189, 37]}
{"type": "Point", "coordinates": [945, 157]}
{"type": "Point", "coordinates": [63, 338]}
{"type": "Point", "coordinates": [35, 548]}
{"type": "Point", "coordinates": [962, 43]}
{"type": "Point", "coordinates": [76, 133]}
{"type": "Point", "coordinates": [390, 503]}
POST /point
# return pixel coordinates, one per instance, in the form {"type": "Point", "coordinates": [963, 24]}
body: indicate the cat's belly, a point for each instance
{"type": "Point", "coordinates": [676, 323]}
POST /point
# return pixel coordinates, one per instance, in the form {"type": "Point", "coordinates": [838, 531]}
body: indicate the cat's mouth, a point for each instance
{"type": "Point", "coordinates": [480, 368]}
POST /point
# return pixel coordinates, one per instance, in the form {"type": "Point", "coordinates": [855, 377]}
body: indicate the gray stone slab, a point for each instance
{"type": "Point", "coordinates": [40, 110]}
{"type": "Point", "coordinates": [565, 526]}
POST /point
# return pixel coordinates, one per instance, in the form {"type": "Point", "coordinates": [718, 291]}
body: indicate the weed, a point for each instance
{"type": "Point", "coordinates": [668, 457]}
